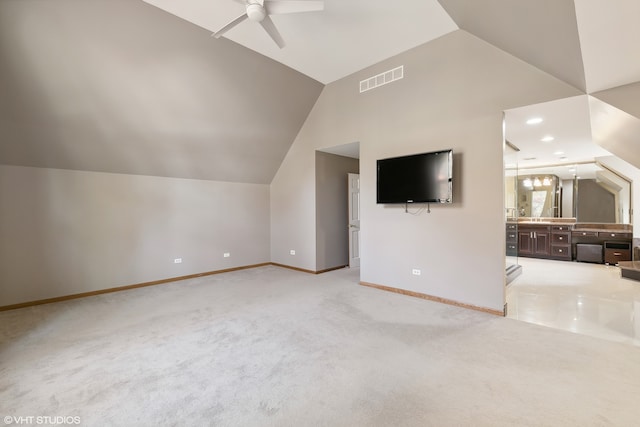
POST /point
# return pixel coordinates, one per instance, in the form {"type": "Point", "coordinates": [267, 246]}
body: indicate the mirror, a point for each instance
{"type": "Point", "coordinates": [588, 192]}
{"type": "Point", "coordinates": [538, 196]}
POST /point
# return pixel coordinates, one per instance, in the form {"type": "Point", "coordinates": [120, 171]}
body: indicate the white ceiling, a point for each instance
{"type": "Point", "coordinates": [131, 59]}
{"type": "Point", "coordinates": [591, 44]}
{"type": "Point", "coordinates": [566, 120]}
{"type": "Point", "coordinates": [609, 33]}
{"type": "Point", "coordinates": [326, 46]}
{"type": "Point", "coordinates": [351, 35]}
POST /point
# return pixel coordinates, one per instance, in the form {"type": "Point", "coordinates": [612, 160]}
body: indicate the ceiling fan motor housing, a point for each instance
{"type": "Point", "coordinates": [256, 12]}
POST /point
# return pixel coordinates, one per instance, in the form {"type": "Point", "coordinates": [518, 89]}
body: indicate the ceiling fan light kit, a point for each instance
{"type": "Point", "coordinates": [260, 10]}
{"type": "Point", "coordinates": [256, 12]}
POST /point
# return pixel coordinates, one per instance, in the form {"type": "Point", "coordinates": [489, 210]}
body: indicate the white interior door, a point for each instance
{"type": "Point", "coordinates": [354, 220]}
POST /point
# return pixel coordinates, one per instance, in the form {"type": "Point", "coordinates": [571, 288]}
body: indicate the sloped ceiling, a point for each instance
{"type": "Point", "coordinates": [127, 87]}
{"type": "Point", "coordinates": [346, 37]}
{"type": "Point", "coordinates": [543, 33]}
{"type": "Point", "coordinates": [120, 86]}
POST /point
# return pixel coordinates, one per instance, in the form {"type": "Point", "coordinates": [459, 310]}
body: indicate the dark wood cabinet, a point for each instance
{"type": "Point", "coordinates": [561, 242]}
{"type": "Point", "coordinates": [512, 239]}
{"type": "Point", "coordinates": [525, 243]}
{"type": "Point", "coordinates": [542, 243]}
{"type": "Point", "coordinates": [615, 244]}
{"type": "Point", "coordinates": [616, 251]}
{"type": "Point", "coordinates": [534, 241]}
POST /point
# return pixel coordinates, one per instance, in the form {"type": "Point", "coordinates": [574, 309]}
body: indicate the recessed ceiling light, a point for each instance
{"type": "Point", "coordinates": [564, 159]}
{"type": "Point", "coordinates": [558, 153]}
{"type": "Point", "coordinates": [529, 158]}
{"type": "Point", "coordinates": [534, 121]}
{"type": "Point", "coordinates": [547, 138]}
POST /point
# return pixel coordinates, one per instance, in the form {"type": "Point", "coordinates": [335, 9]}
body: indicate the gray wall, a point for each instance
{"type": "Point", "coordinates": [332, 222]}
{"type": "Point", "coordinates": [453, 95]}
{"type": "Point", "coordinates": [124, 87]}
{"type": "Point", "coordinates": [66, 232]}
{"type": "Point", "coordinates": [595, 203]}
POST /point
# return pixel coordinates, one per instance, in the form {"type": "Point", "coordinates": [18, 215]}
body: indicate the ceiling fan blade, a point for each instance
{"type": "Point", "coordinates": [270, 28]}
{"type": "Point", "coordinates": [248, 2]}
{"type": "Point", "coordinates": [278, 7]}
{"type": "Point", "coordinates": [230, 25]}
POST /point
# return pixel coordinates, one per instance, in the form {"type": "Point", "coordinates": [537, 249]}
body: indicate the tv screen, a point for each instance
{"type": "Point", "coordinates": [419, 178]}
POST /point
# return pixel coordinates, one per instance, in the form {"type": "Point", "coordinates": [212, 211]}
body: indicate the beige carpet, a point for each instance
{"type": "Point", "coordinates": [274, 347]}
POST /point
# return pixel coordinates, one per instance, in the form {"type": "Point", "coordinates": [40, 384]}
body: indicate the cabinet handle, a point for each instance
{"type": "Point", "coordinates": [613, 234]}
{"type": "Point", "coordinates": [617, 253]}
{"type": "Point", "coordinates": [560, 250]}
{"type": "Point", "coordinates": [559, 238]}
{"type": "Point", "coordinates": [535, 234]}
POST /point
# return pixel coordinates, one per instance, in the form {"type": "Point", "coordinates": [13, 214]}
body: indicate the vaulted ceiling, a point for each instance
{"type": "Point", "coordinates": [123, 86]}
{"type": "Point", "coordinates": [120, 86]}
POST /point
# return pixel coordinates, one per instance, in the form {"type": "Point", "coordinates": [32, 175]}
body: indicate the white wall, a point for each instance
{"type": "Point", "coordinates": [452, 96]}
{"type": "Point", "coordinates": [66, 232]}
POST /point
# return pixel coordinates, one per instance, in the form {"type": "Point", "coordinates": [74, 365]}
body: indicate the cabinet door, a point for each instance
{"type": "Point", "coordinates": [525, 242]}
{"type": "Point", "coordinates": [541, 243]}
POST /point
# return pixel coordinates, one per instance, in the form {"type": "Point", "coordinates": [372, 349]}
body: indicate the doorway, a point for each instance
{"type": "Point", "coordinates": [353, 203]}
{"type": "Point", "coordinates": [336, 234]}
{"type": "Point", "coordinates": [559, 155]}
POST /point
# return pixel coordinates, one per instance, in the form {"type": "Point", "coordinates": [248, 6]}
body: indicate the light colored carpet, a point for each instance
{"type": "Point", "coordinates": [274, 347]}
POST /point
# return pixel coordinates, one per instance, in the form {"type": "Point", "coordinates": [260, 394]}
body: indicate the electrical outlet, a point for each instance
{"type": "Point", "coordinates": [226, 255]}
{"type": "Point", "coordinates": [177, 261]}
{"type": "Point", "coordinates": [292, 252]}
{"type": "Point", "coordinates": [416, 272]}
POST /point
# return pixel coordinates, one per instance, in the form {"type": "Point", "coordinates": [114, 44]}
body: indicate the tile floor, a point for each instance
{"type": "Point", "coordinates": [589, 299]}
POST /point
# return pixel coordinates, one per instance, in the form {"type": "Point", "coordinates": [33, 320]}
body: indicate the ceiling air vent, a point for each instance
{"type": "Point", "coordinates": [382, 79]}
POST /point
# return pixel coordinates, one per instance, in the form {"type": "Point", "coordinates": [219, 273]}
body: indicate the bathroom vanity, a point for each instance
{"type": "Point", "coordinates": [567, 240]}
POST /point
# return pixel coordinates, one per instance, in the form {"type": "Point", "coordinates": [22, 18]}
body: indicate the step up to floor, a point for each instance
{"type": "Point", "coordinates": [630, 269]}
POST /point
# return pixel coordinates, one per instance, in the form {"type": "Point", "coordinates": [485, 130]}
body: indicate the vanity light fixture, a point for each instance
{"type": "Point", "coordinates": [546, 181]}
{"type": "Point", "coordinates": [534, 120]}
{"type": "Point", "coordinates": [536, 182]}
{"type": "Point", "coordinates": [527, 182]}
{"type": "Point", "coordinates": [547, 138]}
{"type": "Point", "coordinates": [558, 153]}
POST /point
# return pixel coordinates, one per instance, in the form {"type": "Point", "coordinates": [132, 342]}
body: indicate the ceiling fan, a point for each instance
{"type": "Point", "coordinates": [260, 10]}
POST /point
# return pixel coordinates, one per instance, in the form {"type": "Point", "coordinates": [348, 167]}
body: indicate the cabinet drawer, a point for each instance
{"type": "Point", "coordinates": [560, 228]}
{"type": "Point", "coordinates": [562, 238]}
{"type": "Point", "coordinates": [585, 233]}
{"type": "Point", "coordinates": [614, 256]}
{"type": "Point", "coordinates": [561, 251]}
{"type": "Point", "coordinates": [608, 235]}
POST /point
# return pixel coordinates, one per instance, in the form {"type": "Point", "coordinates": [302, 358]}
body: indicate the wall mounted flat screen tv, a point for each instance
{"type": "Point", "coordinates": [419, 178]}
